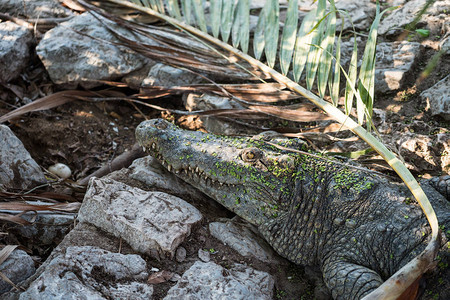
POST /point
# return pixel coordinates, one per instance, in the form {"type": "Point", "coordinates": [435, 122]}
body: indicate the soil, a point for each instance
{"type": "Point", "coordinates": [86, 135]}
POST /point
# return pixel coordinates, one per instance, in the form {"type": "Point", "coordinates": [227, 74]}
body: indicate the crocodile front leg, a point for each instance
{"type": "Point", "coordinates": [348, 280]}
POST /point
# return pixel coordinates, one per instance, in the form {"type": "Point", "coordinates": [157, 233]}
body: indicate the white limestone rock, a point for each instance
{"type": "Point", "coordinates": [362, 14]}
{"type": "Point", "coordinates": [17, 267]}
{"type": "Point", "coordinates": [91, 273]}
{"type": "Point", "coordinates": [435, 17]}
{"type": "Point", "coordinates": [167, 76]}
{"type": "Point", "coordinates": [35, 8]}
{"type": "Point", "coordinates": [242, 239]}
{"type": "Point", "coordinates": [394, 62]}
{"type": "Point", "coordinates": [438, 98]}
{"type": "Point", "coordinates": [17, 169]}
{"type": "Point", "coordinates": [153, 223]}
{"type": "Point", "coordinates": [211, 281]}
{"type": "Point", "coordinates": [194, 101]}
{"type": "Point", "coordinates": [47, 227]}
{"type": "Point", "coordinates": [15, 42]}
{"type": "Point", "coordinates": [71, 58]}
{"type": "Point", "coordinates": [399, 18]}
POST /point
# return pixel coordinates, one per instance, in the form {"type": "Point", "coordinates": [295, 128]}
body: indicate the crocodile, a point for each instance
{"type": "Point", "coordinates": [356, 225]}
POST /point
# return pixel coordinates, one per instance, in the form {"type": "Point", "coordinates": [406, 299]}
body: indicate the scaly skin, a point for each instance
{"type": "Point", "coordinates": [356, 226]}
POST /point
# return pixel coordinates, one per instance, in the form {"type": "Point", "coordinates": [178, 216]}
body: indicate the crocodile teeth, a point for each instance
{"type": "Point", "coordinates": [153, 146]}
{"type": "Point", "coordinates": [144, 149]}
{"type": "Point", "coordinates": [169, 167]}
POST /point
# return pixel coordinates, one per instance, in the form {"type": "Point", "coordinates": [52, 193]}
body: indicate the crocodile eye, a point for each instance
{"type": "Point", "coordinates": [251, 155]}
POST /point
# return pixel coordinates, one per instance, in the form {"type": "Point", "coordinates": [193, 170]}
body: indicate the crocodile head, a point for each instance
{"type": "Point", "coordinates": [246, 175]}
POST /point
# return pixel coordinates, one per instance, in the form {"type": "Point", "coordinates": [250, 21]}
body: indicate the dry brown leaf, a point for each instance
{"type": "Point", "coordinates": [55, 100]}
{"type": "Point", "coordinates": [159, 277]}
{"type": "Point", "coordinates": [250, 92]}
{"type": "Point", "coordinates": [297, 113]}
{"type": "Point", "coordinates": [14, 219]}
{"type": "Point", "coordinates": [64, 207]}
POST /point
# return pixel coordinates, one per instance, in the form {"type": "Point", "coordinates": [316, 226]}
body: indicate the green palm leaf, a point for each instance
{"type": "Point", "coordinates": [289, 36]}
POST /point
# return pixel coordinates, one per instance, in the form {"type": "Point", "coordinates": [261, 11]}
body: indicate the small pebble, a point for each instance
{"type": "Point", "coordinates": [204, 256]}
{"type": "Point", "coordinates": [60, 170]}
{"type": "Point", "coordinates": [180, 254]}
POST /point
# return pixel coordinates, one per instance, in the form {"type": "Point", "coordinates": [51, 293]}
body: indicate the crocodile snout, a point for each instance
{"type": "Point", "coordinates": [148, 130]}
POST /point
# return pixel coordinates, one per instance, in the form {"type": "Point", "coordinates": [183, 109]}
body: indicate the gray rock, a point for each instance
{"type": "Point", "coordinates": [211, 281]}
{"type": "Point", "coordinates": [444, 45]}
{"type": "Point", "coordinates": [362, 13]}
{"type": "Point", "coordinates": [394, 62]}
{"type": "Point", "coordinates": [180, 254]}
{"type": "Point", "coordinates": [149, 171]}
{"type": "Point", "coordinates": [15, 42]}
{"type": "Point", "coordinates": [91, 273]}
{"type": "Point", "coordinates": [47, 229]}
{"type": "Point", "coordinates": [394, 23]}
{"type": "Point", "coordinates": [167, 76]}
{"type": "Point", "coordinates": [435, 17]}
{"type": "Point", "coordinates": [17, 267]}
{"type": "Point", "coordinates": [438, 98]}
{"type": "Point", "coordinates": [72, 58]}
{"type": "Point", "coordinates": [153, 223]}
{"type": "Point", "coordinates": [242, 239]}
{"type": "Point", "coordinates": [204, 256]}
{"type": "Point", "coordinates": [34, 8]}
{"type": "Point", "coordinates": [17, 169]}
{"type": "Point", "coordinates": [194, 102]}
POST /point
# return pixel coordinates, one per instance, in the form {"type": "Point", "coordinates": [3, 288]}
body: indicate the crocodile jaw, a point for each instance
{"type": "Point", "coordinates": [216, 167]}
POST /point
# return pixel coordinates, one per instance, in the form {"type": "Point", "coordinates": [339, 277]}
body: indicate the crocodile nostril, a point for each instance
{"type": "Point", "coordinates": [159, 124]}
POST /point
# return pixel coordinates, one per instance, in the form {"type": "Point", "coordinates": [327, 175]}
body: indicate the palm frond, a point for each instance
{"type": "Point", "coordinates": [315, 32]}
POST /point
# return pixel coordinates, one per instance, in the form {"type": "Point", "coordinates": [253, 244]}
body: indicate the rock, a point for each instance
{"type": "Point", "coordinates": [153, 223]}
{"type": "Point", "coordinates": [48, 228]}
{"type": "Point", "coordinates": [399, 18]}
{"type": "Point", "coordinates": [167, 76]}
{"type": "Point", "coordinates": [211, 281]}
{"type": "Point", "coordinates": [204, 256]}
{"type": "Point", "coordinates": [17, 267]}
{"type": "Point", "coordinates": [435, 17]}
{"type": "Point", "coordinates": [135, 78]}
{"type": "Point", "coordinates": [394, 62]}
{"type": "Point", "coordinates": [83, 234]}
{"type": "Point", "coordinates": [35, 8]}
{"type": "Point", "coordinates": [438, 98]}
{"type": "Point", "coordinates": [15, 42]}
{"type": "Point", "coordinates": [242, 239]}
{"type": "Point", "coordinates": [91, 273]}
{"type": "Point", "coordinates": [149, 171]}
{"type": "Point", "coordinates": [180, 254]}
{"type": "Point", "coordinates": [362, 14]}
{"type": "Point", "coordinates": [214, 125]}
{"type": "Point", "coordinates": [17, 169]}
{"type": "Point", "coordinates": [71, 58]}
{"type": "Point", "coordinates": [444, 45]}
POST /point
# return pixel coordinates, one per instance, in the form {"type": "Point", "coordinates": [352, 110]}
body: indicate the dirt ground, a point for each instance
{"type": "Point", "coordinates": [87, 135]}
